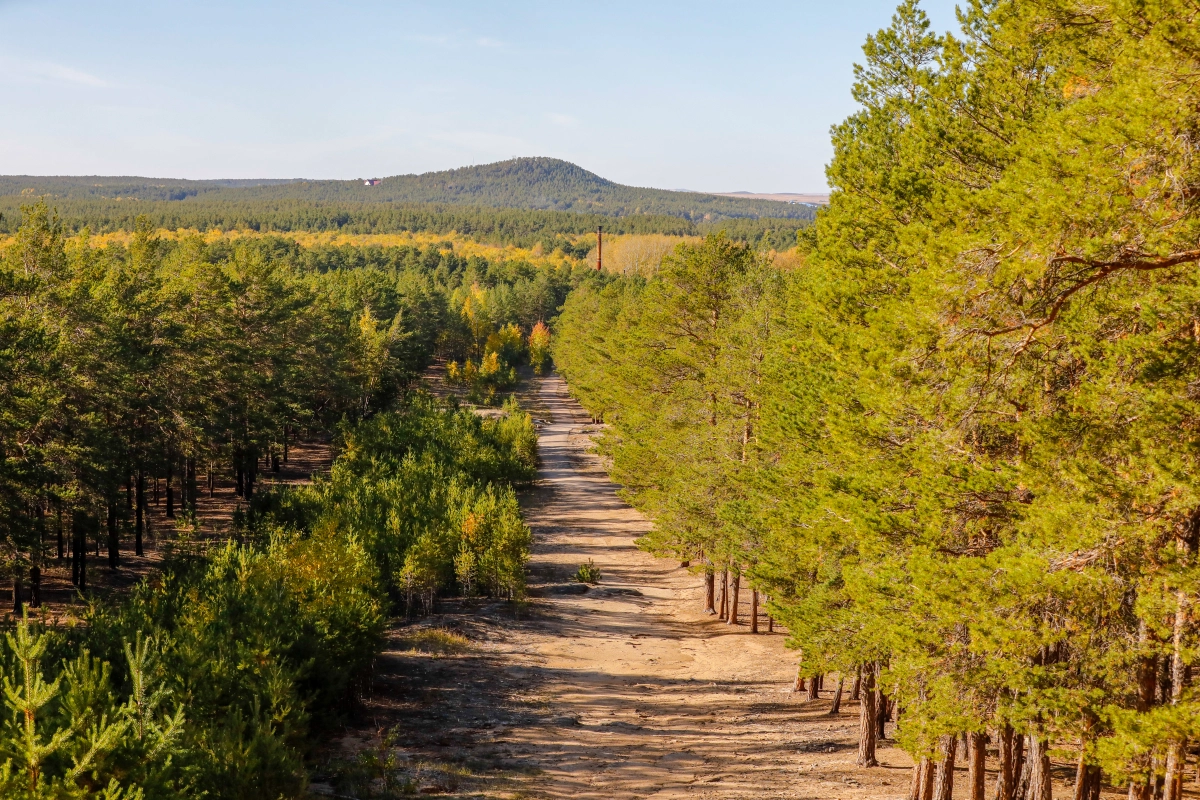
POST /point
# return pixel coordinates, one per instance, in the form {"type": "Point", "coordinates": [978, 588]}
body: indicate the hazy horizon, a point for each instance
{"type": "Point", "coordinates": [669, 96]}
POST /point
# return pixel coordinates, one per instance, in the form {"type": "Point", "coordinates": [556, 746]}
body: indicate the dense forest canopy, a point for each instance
{"type": "Point", "coordinates": [957, 446]}
{"type": "Point", "coordinates": [497, 225]}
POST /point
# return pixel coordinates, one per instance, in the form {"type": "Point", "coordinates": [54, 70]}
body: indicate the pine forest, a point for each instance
{"type": "Point", "coordinates": [491, 482]}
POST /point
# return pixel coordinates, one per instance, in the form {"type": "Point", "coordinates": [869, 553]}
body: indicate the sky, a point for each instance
{"type": "Point", "coordinates": [676, 95]}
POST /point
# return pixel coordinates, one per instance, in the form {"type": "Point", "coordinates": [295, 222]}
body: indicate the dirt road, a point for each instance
{"type": "Point", "coordinates": [623, 690]}
{"type": "Point", "coordinates": [651, 697]}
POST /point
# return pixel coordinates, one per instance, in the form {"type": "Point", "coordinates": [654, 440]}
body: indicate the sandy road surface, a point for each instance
{"type": "Point", "coordinates": [652, 698]}
{"type": "Point", "coordinates": [626, 690]}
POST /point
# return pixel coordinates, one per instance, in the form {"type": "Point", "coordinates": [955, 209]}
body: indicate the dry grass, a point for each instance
{"type": "Point", "coordinates": [436, 642]}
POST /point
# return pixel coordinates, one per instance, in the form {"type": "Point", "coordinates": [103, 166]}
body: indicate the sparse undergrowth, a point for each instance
{"type": "Point", "coordinates": [436, 641]}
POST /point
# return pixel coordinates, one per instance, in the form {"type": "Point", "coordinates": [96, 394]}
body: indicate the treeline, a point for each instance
{"type": "Point", "coordinates": [519, 183]}
{"type": "Point", "coordinates": [178, 361]}
{"type": "Point", "coordinates": [956, 447]}
{"type": "Point", "coordinates": [526, 228]}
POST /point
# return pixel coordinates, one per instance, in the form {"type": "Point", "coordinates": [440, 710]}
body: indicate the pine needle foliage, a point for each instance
{"type": "Point", "coordinates": [971, 469]}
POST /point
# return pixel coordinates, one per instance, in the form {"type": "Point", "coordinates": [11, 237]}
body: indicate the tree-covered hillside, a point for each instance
{"type": "Point", "coordinates": [520, 183]}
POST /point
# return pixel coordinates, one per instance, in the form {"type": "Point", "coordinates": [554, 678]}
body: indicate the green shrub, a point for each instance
{"type": "Point", "coordinates": [587, 573]}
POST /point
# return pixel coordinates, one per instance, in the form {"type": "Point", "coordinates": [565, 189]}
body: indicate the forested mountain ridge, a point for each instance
{"type": "Point", "coordinates": [519, 183]}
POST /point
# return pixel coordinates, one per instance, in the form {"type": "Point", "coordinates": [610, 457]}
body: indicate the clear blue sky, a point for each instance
{"type": "Point", "coordinates": [677, 95]}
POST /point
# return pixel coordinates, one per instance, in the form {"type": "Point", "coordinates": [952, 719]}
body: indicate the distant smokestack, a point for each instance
{"type": "Point", "coordinates": [599, 247]}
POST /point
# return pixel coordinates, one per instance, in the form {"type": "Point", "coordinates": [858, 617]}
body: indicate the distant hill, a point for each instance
{"type": "Point", "coordinates": [548, 184]}
{"type": "Point", "coordinates": [812, 198]}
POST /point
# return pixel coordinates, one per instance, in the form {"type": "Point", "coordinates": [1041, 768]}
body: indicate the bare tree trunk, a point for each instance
{"type": "Point", "coordinates": [114, 550]}
{"type": "Point", "coordinates": [754, 610]}
{"type": "Point", "coordinates": [17, 596]}
{"type": "Point", "coordinates": [81, 541]}
{"type": "Point", "coordinates": [733, 598]}
{"type": "Point", "coordinates": [1147, 685]}
{"type": "Point", "coordinates": [59, 531]}
{"type": "Point", "coordinates": [190, 489]}
{"type": "Point", "coordinates": [170, 490]}
{"type": "Point", "coordinates": [1081, 776]}
{"type": "Point", "coordinates": [1094, 783]}
{"type": "Point", "coordinates": [139, 513]}
{"type": "Point", "coordinates": [723, 613]}
{"type": "Point", "coordinates": [837, 696]}
{"type": "Point", "coordinates": [814, 688]}
{"type": "Point", "coordinates": [976, 764]}
{"type": "Point", "coordinates": [867, 725]}
{"type": "Point", "coordinates": [1039, 770]}
{"type": "Point", "coordinates": [798, 684]}
{"type": "Point", "coordinates": [856, 690]}
{"type": "Point", "coordinates": [1176, 754]}
{"type": "Point", "coordinates": [710, 590]}
{"type": "Point", "coordinates": [922, 781]}
{"type": "Point", "coordinates": [881, 711]}
{"type": "Point", "coordinates": [943, 783]}
{"type": "Point", "coordinates": [35, 586]}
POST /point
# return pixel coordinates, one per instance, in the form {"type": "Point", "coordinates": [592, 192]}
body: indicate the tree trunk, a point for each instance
{"type": "Point", "coordinates": [943, 783]}
{"type": "Point", "coordinates": [1176, 754]}
{"type": "Point", "coordinates": [251, 475]}
{"type": "Point", "coordinates": [770, 624]}
{"type": "Point", "coordinates": [139, 512]}
{"type": "Point", "coordinates": [1039, 770]}
{"type": "Point", "coordinates": [62, 549]}
{"type": "Point", "coordinates": [81, 546]}
{"type": "Point", "coordinates": [239, 477]}
{"type": "Point", "coordinates": [922, 780]}
{"type": "Point", "coordinates": [1147, 686]}
{"type": "Point", "coordinates": [129, 490]}
{"type": "Point", "coordinates": [187, 485]}
{"type": "Point", "coordinates": [754, 610]}
{"type": "Point", "coordinates": [76, 535]}
{"type": "Point", "coordinates": [867, 723]}
{"type": "Point", "coordinates": [710, 590]}
{"type": "Point", "coordinates": [976, 764]}
{"type": "Point", "coordinates": [814, 687]}
{"type": "Point", "coordinates": [1094, 783]}
{"type": "Point", "coordinates": [286, 430]}
{"type": "Point", "coordinates": [881, 712]}
{"type": "Point", "coordinates": [170, 490]}
{"type": "Point", "coordinates": [733, 598]}
{"type": "Point", "coordinates": [1081, 777]}
{"type": "Point", "coordinates": [856, 690]}
{"type": "Point", "coordinates": [837, 696]}
{"type": "Point", "coordinates": [35, 586]}
{"type": "Point", "coordinates": [723, 612]}
{"type": "Point", "coordinates": [798, 684]}
{"type": "Point", "coordinates": [114, 553]}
